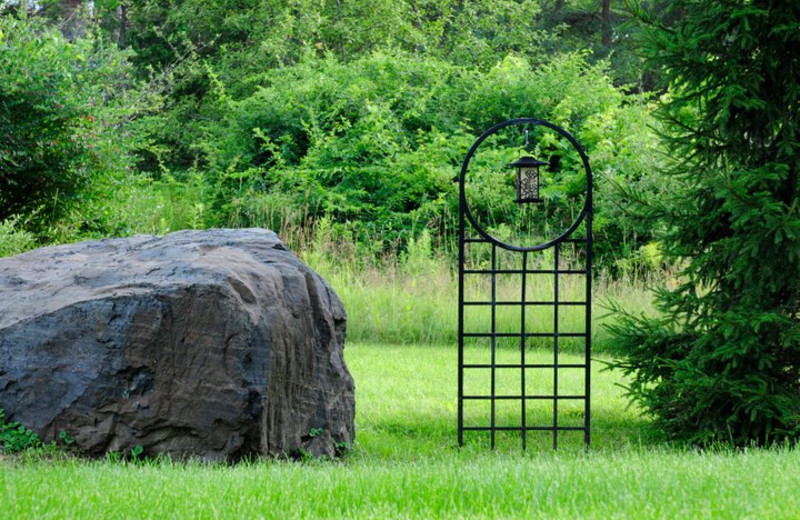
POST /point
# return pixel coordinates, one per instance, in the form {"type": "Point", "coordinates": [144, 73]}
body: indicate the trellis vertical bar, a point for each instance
{"type": "Point", "coordinates": [494, 342]}
{"type": "Point", "coordinates": [588, 355]}
{"type": "Point", "coordinates": [461, 258]}
{"type": "Point", "coordinates": [523, 393]}
{"type": "Point", "coordinates": [557, 255]}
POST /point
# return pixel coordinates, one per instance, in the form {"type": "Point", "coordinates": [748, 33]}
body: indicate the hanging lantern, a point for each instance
{"type": "Point", "coordinates": [527, 178]}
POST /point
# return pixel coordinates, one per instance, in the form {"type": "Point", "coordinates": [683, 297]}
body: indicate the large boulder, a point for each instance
{"type": "Point", "coordinates": [217, 344]}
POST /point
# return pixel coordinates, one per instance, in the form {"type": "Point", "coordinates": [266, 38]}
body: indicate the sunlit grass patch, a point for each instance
{"type": "Point", "coordinates": [406, 465]}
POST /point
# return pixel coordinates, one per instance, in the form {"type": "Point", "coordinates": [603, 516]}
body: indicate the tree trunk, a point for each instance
{"type": "Point", "coordinates": [122, 10]}
{"type": "Point", "coordinates": [605, 16]}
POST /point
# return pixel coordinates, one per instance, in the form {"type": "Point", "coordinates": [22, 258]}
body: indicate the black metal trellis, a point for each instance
{"type": "Point", "coordinates": [485, 389]}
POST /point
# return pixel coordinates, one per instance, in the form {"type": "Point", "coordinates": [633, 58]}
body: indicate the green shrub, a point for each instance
{"type": "Point", "coordinates": [14, 437]}
{"type": "Point", "coordinates": [63, 137]}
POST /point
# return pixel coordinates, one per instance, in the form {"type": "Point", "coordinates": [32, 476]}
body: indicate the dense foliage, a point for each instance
{"type": "Point", "coordinates": [309, 116]}
{"type": "Point", "coordinates": [723, 364]}
{"type": "Point", "coordinates": [374, 145]}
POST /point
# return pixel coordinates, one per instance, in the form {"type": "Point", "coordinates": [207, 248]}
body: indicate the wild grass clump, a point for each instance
{"type": "Point", "coordinates": [14, 239]}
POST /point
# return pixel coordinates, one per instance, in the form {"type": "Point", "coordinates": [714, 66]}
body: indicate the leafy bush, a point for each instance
{"type": "Point", "coordinates": [61, 122]}
{"type": "Point", "coordinates": [376, 143]}
{"type": "Point", "coordinates": [14, 437]}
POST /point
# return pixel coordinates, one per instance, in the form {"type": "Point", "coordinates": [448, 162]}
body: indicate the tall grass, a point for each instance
{"type": "Point", "coordinates": [399, 293]}
{"type": "Point", "coordinates": [13, 238]}
{"type": "Point", "coordinates": [393, 293]}
{"type": "Point", "coordinates": [161, 206]}
{"type": "Point", "coordinates": [412, 297]}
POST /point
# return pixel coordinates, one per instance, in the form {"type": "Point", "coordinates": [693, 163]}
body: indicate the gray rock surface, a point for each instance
{"type": "Point", "coordinates": [217, 344]}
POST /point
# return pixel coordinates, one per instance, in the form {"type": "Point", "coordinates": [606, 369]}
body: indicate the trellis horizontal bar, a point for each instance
{"type": "Point", "coordinates": [526, 428]}
{"type": "Point", "coordinates": [527, 335]}
{"type": "Point", "coordinates": [529, 271]}
{"type": "Point", "coordinates": [478, 303]}
{"type": "Point", "coordinates": [527, 365]}
{"type": "Point", "coordinates": [484, 241]}
{"type": "Point", "coordinates": [526, 397]}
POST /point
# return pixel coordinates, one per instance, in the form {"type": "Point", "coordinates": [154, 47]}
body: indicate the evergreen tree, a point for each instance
{"type": "Point", "coordinates": [723, 363]}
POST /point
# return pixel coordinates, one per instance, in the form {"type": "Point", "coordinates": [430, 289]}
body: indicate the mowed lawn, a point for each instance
{"type": "Point", "coordinates": [406, 464]}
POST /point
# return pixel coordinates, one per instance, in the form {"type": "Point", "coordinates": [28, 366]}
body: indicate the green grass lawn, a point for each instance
{"type": "Point", "coordinates": [406, 465]}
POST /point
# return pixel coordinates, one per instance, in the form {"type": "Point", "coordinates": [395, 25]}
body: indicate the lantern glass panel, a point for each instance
{"type": "Point", "coordinates": [528, 179]}
{"type": "Point", "coordinates": [531, 183]}
{"type": "Point", "coordinates": [528, 184]}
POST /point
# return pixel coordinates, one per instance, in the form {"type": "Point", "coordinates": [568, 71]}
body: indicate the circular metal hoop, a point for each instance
{"type": "Point", "coordinates": [587, 205]}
